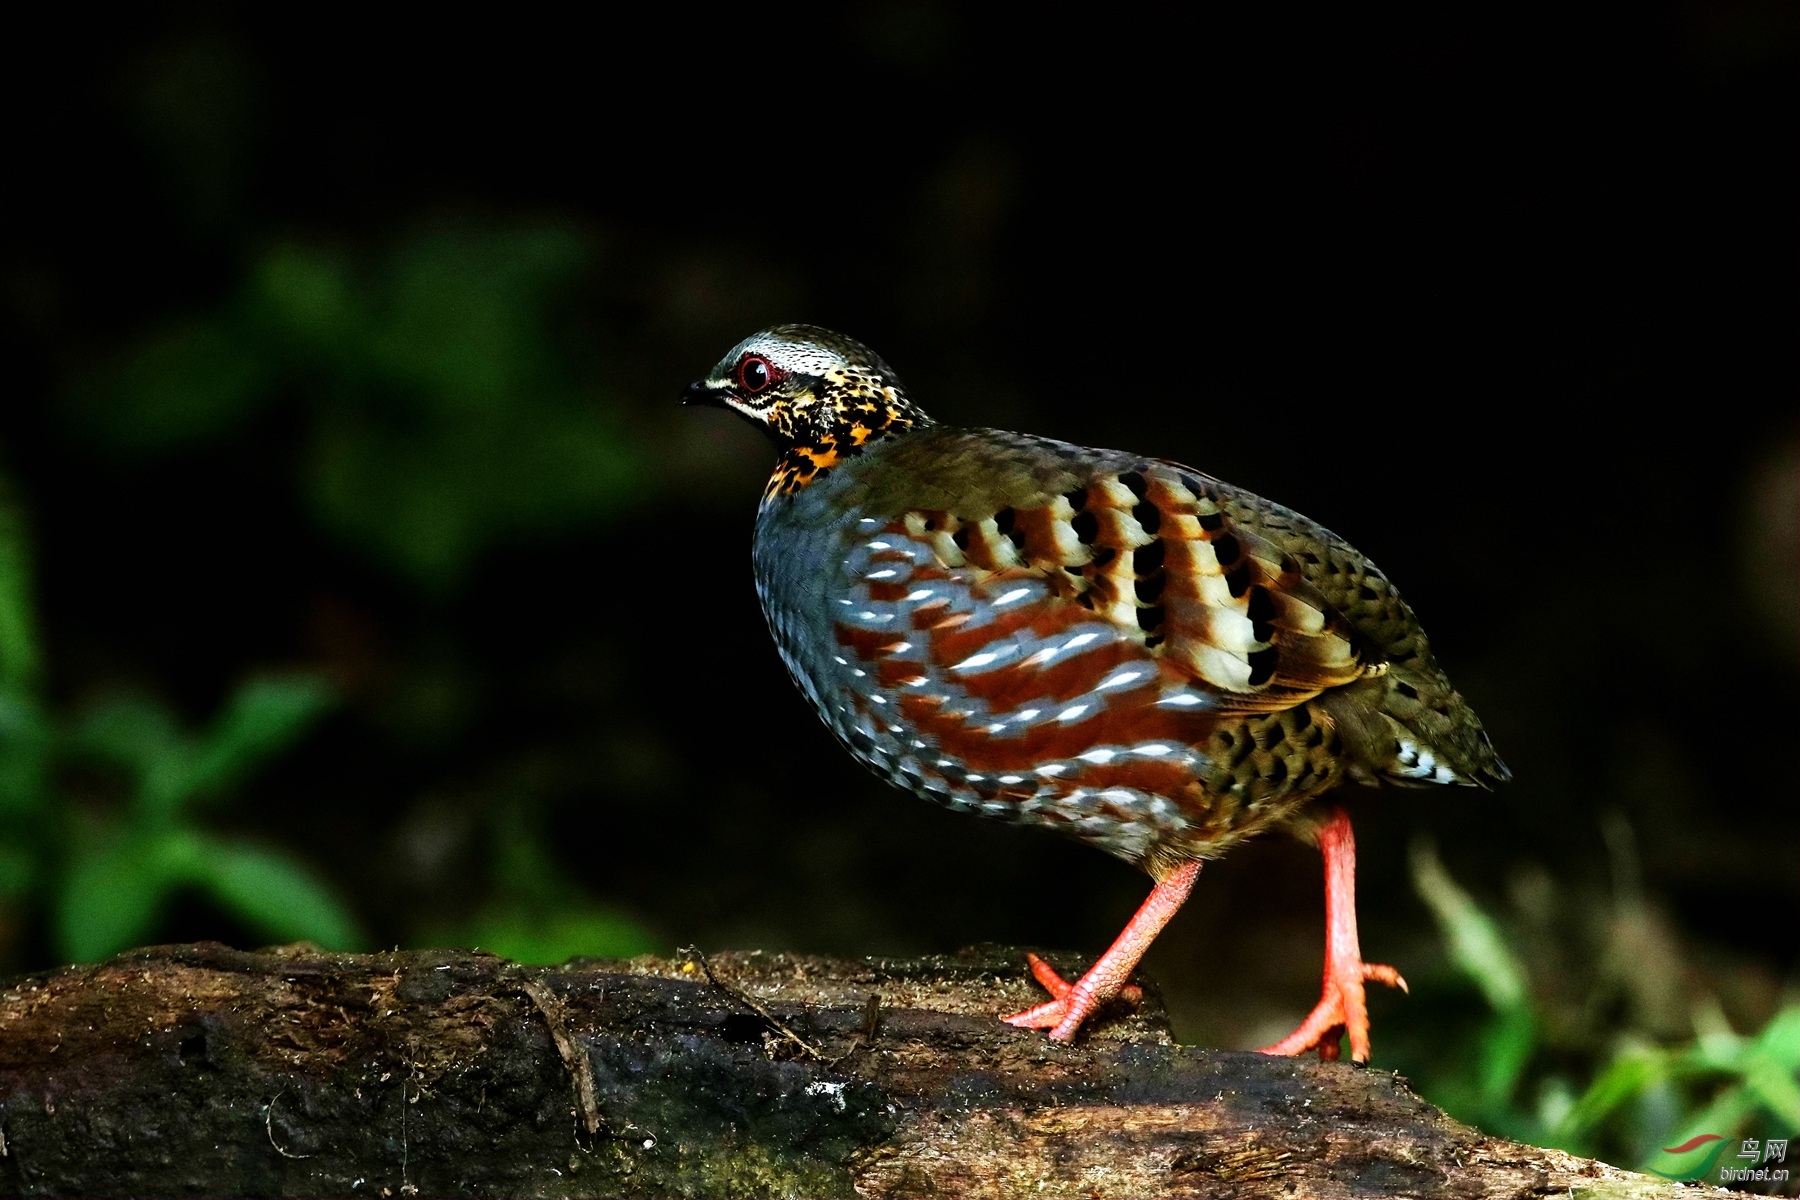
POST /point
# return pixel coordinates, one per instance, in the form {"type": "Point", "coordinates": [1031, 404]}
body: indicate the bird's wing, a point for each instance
{"type": "Point", "coordinates": [1095, 587]}
{"type": "Point", "coordinates": [1168, 566]}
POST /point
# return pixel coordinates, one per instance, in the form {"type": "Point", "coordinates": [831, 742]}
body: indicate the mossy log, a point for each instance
{"type": "Point", "coordinates": [206, 1070]}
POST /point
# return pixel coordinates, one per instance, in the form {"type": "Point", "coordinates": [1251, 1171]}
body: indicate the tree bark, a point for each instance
{"type": "Point", "coordinates": [202, 1069]}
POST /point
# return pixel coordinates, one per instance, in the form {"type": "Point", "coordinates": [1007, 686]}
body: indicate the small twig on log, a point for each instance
{"type": "Point", "coordinates": [575, 1059]}
{"type": "Point", "coordinates": [750, 1003]}
{"type": "Point", "coordinates": [268, 1127]}
{"type": "Point", "coordinates": [866, 1035]}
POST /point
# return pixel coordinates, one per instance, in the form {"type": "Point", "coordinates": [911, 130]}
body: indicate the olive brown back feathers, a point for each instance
{"type": "Point", "coordinates": [820, 396]}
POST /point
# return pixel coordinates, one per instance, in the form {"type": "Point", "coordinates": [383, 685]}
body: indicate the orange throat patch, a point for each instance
{"type": "Point", "coordinates": [861, 423]}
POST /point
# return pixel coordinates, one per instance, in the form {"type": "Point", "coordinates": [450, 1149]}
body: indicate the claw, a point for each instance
{"type": "Point", "coordinates": [1342, 1007]}
{"type": "Point", "coordinates": [1071, 1003]}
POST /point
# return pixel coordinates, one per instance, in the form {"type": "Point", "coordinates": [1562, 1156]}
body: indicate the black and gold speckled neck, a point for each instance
{"type": "Point", "coordinates": [827, 398]}
{"type": "Point", "coordinates": [836, 426]}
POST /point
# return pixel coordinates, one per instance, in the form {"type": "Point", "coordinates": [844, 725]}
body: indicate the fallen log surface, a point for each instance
{"type": "Point", "coordinates": [206, 1070]}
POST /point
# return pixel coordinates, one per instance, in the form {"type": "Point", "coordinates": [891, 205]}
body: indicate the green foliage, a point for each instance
{"type": "Point", "coordinates": [442, 415]}
{"type": "Point", "coordinates": [537, 934]}
{"type": "Point", "coordinates": [1479, 951]}
{"type": "Point", "coordinates": [23, 736]}
{"type": "Point", "coordinates": [18, 626]}
{"type": "Point", "coordinates": [105, 876]}
{"type": "Point", "coordinates": [122, 871]}
{"type": "Point", "coordinates": [537, 914]}
{"type": "Point", "coordinates": [439, 413]}
{"type": "Point", "coordinates": [271, 892]}
{"type": "Point", "coordinates": [1747, 1079]}
{"type": "Point", "coordinates": [1638, 1097]}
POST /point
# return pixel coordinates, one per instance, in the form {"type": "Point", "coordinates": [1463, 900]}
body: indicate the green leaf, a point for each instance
{"type": "Point", "coordinates": [533, 935]}
{"type": "Point", "coordinates": [1692, 1164]}
{"type": "Point", "coordinates": [1775, 1089]}
{"type": "Point", "coordinates": [18, 623]}
{"type": "Point", "coordinates": [1725, 1115]}
{"type": "Point", "coordinates": [462, 316]}
{"type": "Point", "coordinates": [429, 491]}
{"type": "Point", "coordinates": [18, 871]}
{"type": "Point", "coordinates": [264, 717]}
{"type": "Point", "coordinates": [461, 425]}
{"type": "Point", "coordinates": [305, 295]}
{"type": "Point", "coordinates": [1475, 943]}
{"type": "Point", "coordinates": [274, 894]}
{"type": "Point", "coordinates": [24, 751]}
{"type": "Point", "coordinates": [1506, 1047]}
{"type": "Point", "coordinates": [133, 731]}
{"type": "Point", "coordinates": [113, 894]}
{"type": "Point", "coordinates": [1779, 1042]}
{"type": "Point", "coordinates": [24, 738]}
{"type": "Point", "coordinates": [186, 383]}
{"type": "Point", "coordinates": [1629, 1073]}
{"type": "Point", "coordinates": [141, 735]}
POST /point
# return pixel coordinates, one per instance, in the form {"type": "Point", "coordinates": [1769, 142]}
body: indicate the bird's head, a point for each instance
{"type": "Point", "coordinates": [821, 396]}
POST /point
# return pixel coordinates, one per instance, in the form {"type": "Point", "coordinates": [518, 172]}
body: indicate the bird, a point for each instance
{"type": "Point", "coordinates": [1117, 647]}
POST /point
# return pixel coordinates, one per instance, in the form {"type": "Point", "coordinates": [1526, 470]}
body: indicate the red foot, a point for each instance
{"type": "Point", "coordinates": [1050, 1013]}
{"type": "Point", "coordinates": [1071, 1003]}
{"type": "Point", "coordinates": [1342, 1006]}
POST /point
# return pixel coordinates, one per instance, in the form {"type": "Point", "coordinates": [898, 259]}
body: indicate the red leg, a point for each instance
{"type": "Point", "coordinates": [1072, 1003]}
{"type": "Point", "coordinates": [1343, 1006]}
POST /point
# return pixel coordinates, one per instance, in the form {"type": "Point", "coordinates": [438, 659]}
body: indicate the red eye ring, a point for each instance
{"type": "Point", "coordinates": [756, 373]}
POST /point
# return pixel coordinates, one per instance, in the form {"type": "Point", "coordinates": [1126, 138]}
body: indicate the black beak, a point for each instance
{"type": "Point", "coordinates": [698, 393]}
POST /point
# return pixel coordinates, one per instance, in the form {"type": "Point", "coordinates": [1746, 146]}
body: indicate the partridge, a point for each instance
{"type": "Point", "coordinates": [1117, 647]}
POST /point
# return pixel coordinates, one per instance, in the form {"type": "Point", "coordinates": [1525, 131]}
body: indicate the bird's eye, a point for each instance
{"type": "Point", "coordinates": [755, 374]}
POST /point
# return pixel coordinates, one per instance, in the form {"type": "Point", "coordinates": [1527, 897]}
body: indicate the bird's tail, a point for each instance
{"type": "Point", "coordinates": [1410, 727]}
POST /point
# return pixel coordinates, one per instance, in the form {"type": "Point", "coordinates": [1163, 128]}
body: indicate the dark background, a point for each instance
{"type": "Point", "coordinates": [1503, 294]}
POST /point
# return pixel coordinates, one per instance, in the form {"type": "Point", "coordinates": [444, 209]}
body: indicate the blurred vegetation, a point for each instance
{"type": "Point", "coordinates": [102, 813]}
{"type": "Point", "coordinates": [535, 912]}
{"type": "Point", "coordinates": [439, 415]}
{"type": "Point", "coordinates": [1542, 1071]}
